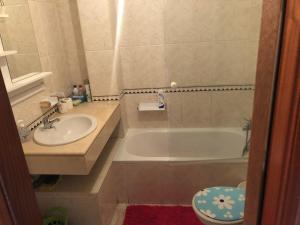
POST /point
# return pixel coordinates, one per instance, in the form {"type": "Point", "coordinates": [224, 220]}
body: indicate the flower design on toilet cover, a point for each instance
{"type": "Point", "coordinates": [221, 203]}
{"type": "Point", "coordinates": [203, 192]}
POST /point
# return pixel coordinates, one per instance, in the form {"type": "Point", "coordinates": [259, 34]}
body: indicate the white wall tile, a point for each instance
{"type": "Point", "coordinates": [230, 59]}
{"type": "Point", "coordinates": [143, 23]}
{"type": "Point", "coordinates": [190, 64]}
{"type": "Point", "coordinates": [100, 69]}
{"type": "Point", "coordinates": [96, 24]}
{"type": "Point", "coordinates": [189, 20]}
{"type": "Point", "coordinates": [196, 109]}
{"type": "Point", "coordinates": [144, 67]}
{"type": "Point", "coordinates": [230, 109]}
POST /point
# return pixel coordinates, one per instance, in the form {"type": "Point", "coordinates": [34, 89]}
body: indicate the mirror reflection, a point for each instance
{"type": "Point", "coordinates": [17, 34]}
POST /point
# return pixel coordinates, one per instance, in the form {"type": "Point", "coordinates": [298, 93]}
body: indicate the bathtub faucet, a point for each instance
{"type": "Point", "coordinates": [247, 128]}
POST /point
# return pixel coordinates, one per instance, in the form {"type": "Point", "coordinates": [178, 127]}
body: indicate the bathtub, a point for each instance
{"type": "Point", "coordinates": [182, 144]}
{"type": "Point", "coordinates": [174, 164]}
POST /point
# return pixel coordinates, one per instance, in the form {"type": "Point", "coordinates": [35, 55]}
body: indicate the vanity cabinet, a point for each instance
{"type": "Point", "coordinates": [79, 157]}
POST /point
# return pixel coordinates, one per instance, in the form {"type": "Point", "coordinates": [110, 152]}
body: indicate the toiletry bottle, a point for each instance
{"type": "Point", "coordinates": [88, 91]}
{"type": "Point", "coordinates": [80, 90]}
{"type": "Point", "coordinates": [75, 90]}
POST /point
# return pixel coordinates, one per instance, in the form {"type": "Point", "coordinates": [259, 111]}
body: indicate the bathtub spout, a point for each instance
{"type": "Point", "coordinates": [246, 148]}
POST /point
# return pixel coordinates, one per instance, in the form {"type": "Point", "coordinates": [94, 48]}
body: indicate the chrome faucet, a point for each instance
{"type": "Point", "coordinates": [247, 128]}
{"type": "Point", "coordinates": [48, 124]}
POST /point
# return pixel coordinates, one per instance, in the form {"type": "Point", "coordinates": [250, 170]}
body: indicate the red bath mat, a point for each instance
{"type": "Point", "coordinates": [160, 215]}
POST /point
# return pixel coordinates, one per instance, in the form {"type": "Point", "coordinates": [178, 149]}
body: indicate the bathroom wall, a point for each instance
{"type": "Point", "coordinates": [58, 34]}
{"type": "Point", "coordinates": [193, 42]}
{"type": "Point", "coordinates": [72, 39]}
{"type": "Point", "coordinates": [193, 109]}
{"type": "Point", "coordinates": [98, 24]}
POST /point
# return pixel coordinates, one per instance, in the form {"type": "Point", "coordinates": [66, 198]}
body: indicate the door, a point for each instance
{"type": "Point", "coordinates": [17, 199]}
{"type": "Point", "coordinates": [281, 205]}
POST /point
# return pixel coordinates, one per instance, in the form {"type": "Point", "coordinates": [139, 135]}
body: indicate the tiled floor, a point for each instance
{"type": "Point", "coordinates": [119, 216]}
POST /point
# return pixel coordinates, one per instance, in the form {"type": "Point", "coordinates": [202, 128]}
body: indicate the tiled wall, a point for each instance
{"type": "Point", "coordinates": [97, 19]}
{"type": "Point", "coordinates": [174, 182]}
{"type": "Point", "coordinates": [194, 109]}
{"type": "Point", "coordinates": [72, 39]}
{"type": "Point", "coordinates": [58, 34]}
{"type": "Point", "coordinates": [192, 42]}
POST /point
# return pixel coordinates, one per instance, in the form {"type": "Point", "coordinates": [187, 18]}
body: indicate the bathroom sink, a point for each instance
{"type": "Point", "coordinates": [68, 129]}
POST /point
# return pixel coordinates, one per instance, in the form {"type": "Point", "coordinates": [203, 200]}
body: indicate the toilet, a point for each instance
{"type": "Point", "coordinates": [220, 205]}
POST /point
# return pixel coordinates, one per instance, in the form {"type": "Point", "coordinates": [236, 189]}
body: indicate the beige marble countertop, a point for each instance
{"type": "Point", "coordinates": [102, 111]}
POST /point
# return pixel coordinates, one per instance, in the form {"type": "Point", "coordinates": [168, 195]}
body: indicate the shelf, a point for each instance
{"type": "Point", "coordinates": [150, 107]}
{"type": "Point", "coordinates": [26, 80]}
{"type": "Point", "coordinates": [7, 53]}
{"type": "Point", "coordinates": [3, 16]}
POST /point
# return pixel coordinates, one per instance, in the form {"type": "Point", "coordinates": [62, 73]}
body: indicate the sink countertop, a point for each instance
{"type": "Point", "coordinates": [102, 111]}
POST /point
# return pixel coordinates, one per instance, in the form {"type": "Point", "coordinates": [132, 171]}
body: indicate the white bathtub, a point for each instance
{"type": "Point", "coordinates": [183, 144]}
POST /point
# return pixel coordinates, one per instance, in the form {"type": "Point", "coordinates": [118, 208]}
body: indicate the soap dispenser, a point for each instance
{"type": "Point", "coordinates": [161, 99]}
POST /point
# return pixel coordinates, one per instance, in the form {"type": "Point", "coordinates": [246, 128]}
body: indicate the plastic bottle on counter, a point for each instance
{"type": "Point", "coordinates": [81, 90]}
{"type": "Point", "coordinates": [75, 91]}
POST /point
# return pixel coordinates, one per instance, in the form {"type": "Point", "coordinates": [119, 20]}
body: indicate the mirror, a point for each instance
{"type": "Point", "coordinates": [17, 34]}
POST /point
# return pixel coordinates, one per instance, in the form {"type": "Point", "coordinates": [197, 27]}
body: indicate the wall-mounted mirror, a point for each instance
{"type": "Point", "coordinates": [17, 34]}
{"type": "Point", "coordinates": [19, 56]}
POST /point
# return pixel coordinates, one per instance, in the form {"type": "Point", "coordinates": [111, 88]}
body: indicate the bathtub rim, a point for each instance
{"type": "Point", "coordinates": [123, 156]}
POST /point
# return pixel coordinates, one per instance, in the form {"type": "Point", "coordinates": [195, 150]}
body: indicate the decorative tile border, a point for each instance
{"type": "Point", "coordinates": [54, 109]}
{"type": "Point", "coordinates": [174, 90]}
{"type": "Point", "coordinates": [190, 89]}
{"type": "Point", "coordinates": [106, 98]}
{"type": "Point", "coordinates": [39, 120]}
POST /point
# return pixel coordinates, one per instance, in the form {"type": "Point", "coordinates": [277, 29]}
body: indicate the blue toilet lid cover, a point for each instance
{"type": "Point", "coordinates": [221, 203]}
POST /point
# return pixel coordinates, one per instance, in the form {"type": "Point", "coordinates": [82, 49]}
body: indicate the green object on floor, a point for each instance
{"type": "Point", "coordinates": [76, 102]}
{"type": "Point", "coordinates": [56, 216]}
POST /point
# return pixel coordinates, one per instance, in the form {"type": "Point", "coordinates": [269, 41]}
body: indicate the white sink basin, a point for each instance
{"type": "Point", "coordinates": [69, 129]}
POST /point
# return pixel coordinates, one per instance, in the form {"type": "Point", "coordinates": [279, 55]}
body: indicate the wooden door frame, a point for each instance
{"type": "Point", "coordinates": [17, 199]}
{"type": "Point", "coordinates": [281, 205]}
{"type": "Point", "coordinates": [267, 68]}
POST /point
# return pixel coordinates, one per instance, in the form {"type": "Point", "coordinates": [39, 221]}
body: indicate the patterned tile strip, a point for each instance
{"type": "Point", "coordinates": [174, 90]}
